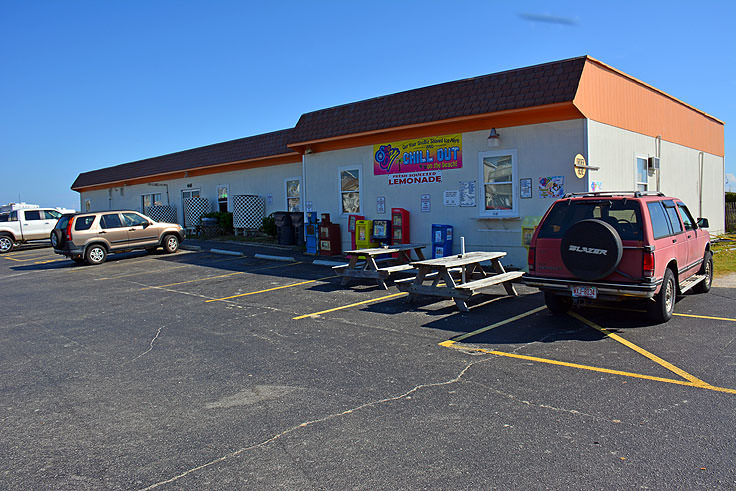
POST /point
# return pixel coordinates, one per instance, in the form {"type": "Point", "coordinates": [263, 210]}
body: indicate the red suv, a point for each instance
{"type": "Point", "coordinates": [617, 246]}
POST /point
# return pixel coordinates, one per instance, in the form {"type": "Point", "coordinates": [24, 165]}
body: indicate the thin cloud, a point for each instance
{"type": "Point", "coordinates": [549, 19]}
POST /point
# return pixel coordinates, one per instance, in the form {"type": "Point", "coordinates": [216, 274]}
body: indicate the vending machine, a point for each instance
{"type": "Point", "coordinates": [352, 220]}
{"type": "Point", "coordinates": [382, 232]}
{"type": "Point", "coordinates": [363, 231]}
{"type": "Point", "coordinates": [329, 237]}
{"type": "Point", "coordinates": [441, 240]}
{"type": "Point", "coordinates": [312, 233]}
{"type": "Point", "coordinates": [400, 226]}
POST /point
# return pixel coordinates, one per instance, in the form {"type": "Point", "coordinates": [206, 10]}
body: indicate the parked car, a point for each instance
{"type": "Point", "coordinates": [90, 237]}
{"type": "Point", "coordinates": [24, 226]}
{"type": "Point", "coordinates": [616, 246]}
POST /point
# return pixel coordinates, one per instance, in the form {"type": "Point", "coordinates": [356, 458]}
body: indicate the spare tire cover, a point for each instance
{"type": "Point", "coordinates": [591, 249]}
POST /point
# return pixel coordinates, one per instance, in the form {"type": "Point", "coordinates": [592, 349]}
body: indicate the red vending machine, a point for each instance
{"type": "Point", "coordinates": [352, 220]}
{"type": "Point", "coordinates": [400, 226]}
{"type": "Point", "coordinates": [329, 237]}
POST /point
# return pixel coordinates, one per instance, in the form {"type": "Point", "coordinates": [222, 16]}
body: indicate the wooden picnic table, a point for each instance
{"type": "Point", "coordinates": [364, 263]}
{"type": "Point", "coordinates": [462, 275]}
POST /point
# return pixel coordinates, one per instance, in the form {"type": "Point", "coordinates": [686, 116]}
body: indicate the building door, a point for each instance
{"type": "Point", "coordinates": [186, 194]}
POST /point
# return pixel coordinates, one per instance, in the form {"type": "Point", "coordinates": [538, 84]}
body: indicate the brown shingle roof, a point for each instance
{"type": "Point", "coordinates": [538, 85]}
{"type": "Point", "coordinates": [253, 147]}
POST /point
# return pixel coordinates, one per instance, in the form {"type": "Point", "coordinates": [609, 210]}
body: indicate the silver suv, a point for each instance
{"type": "Point", "coordinates": [90, 237]}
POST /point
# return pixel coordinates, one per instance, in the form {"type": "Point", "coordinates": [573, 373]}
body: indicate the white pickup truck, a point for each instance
{"type": "Point", "coordinates": [27, 226]}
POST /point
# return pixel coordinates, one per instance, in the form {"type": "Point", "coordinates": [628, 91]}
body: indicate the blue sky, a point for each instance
{"type": "Point", "coordinates": [88, 84]}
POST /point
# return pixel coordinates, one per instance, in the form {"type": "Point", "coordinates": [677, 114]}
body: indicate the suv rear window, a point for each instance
{"type": "Point", "coordinates": [623, 215]}
{"type": "Point", "coordinates": [84, 223]}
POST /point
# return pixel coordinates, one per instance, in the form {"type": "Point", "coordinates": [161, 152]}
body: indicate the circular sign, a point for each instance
{"type": "Point", "coordinates": [579, 166]}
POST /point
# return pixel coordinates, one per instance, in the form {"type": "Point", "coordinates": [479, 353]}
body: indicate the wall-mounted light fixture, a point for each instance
{"type": "Point", "coordinates": [494, 139]}
{"type": "Point", "coordinates": [308, 149]}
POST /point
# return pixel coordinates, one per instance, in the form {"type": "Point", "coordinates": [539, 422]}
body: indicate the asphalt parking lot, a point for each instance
{"type": "Point", "coordinates": [200, 370]}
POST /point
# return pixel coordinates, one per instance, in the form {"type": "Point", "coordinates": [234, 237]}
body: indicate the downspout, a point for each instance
{"type": "Point", "coordinates": [658, 152]}
{"type": "Point", "coordinates": [304, 195]}
{"type": "Point", "coordinates": [700, 185]}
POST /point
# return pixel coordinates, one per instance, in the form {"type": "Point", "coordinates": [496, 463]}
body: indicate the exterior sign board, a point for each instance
{"type": "Point", "coordinates": [434, 153]}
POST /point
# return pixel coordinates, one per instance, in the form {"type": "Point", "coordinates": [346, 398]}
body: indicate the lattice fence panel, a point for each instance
{"type": "Point", "coordinates": [248, 211]}
{"type": "Point", "coordinates": [163, 213]}
{"type": "Point", "coordinates": [194, 208]}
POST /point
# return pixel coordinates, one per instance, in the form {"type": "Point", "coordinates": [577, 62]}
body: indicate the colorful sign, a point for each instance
{"type": "Point", "coordinates": [421, 154]}
{"type": "Point", "coordinates": [416, 178]}
{"type": "Point", "coordinates": [552, 187]}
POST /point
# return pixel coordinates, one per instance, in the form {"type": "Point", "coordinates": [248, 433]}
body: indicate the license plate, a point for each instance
{"type": "Point", "coordinates": [585, 291]}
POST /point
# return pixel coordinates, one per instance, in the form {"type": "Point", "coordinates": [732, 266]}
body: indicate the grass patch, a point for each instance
{"type": "Point", "coordinates": [724, 254]}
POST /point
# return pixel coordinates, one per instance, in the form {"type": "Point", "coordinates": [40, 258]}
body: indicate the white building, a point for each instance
{"type": "Point", "coordinates": [487, 155]}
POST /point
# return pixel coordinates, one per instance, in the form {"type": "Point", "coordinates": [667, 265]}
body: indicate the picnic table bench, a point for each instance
{"type": "Point", "coordinates": [462, 274]}
{"type": "Point", "coordinates": [376, 263]}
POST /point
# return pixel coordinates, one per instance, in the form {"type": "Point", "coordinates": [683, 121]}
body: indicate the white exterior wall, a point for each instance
{"type": "Point", "coordinates": [542, 150]}
{"type": "Point", "coordinates": [259, 181]}
{"type": "Point", "coordinates": [615, 150]}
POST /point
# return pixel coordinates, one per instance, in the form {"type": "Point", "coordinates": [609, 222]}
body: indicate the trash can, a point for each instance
{"type": "Point", "coordinates": [297, 222]}
{"type": "Point", "coordinates": [284, 230]}
{"type": "Point", "coordinates": [209, 226]}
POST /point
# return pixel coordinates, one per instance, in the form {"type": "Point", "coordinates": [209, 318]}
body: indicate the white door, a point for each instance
{"type": "Point", "coordinates": [186, 194]}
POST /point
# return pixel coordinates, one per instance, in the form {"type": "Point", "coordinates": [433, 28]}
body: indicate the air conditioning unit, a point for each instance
{"type": "Point", "coordinates": [654, 163]}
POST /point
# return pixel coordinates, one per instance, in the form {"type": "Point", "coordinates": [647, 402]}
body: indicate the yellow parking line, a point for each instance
{"type": "Point", "coordinates": [268, 289]}
{"type": "Point", "coordinates": [351, 305]}
{"type": "Point", "coordinates": [705, 317]}
{"type": "Point", "coordinates": [449, 344]}
{"type": "Point", "coordinates": [641, 351]}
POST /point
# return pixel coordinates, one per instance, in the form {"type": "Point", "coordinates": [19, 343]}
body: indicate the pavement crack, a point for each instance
{"type": "Point", "coordinates": [306, 424]}
{"type": "Point", "coordinates": [150, 348]}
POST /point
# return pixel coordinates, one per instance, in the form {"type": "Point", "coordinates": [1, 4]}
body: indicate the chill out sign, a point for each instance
{"type": "Point", "coordinates": [435, 153]}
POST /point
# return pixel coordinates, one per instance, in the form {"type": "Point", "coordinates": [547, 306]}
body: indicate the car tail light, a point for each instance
{"type": "Point", "coordinates": [69, 229]}
{"type": "Point", "coordinates": [530, 258]}
{"type": "Point", "coordinates": [648, 264]}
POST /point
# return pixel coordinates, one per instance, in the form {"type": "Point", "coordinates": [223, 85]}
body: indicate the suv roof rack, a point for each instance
{"type": "Point", "coordinates": [636, 194]}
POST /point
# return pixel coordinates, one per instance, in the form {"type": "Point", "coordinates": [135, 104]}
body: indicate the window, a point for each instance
{"type": "Point", "coordinates": [661, 214]}
{"type": "Point", "coordinates": [5, 217]}
{"type": "Point", "coordinates": [624, 216]}
{"type": "Point", "coordinates": [51, 214]}
{"type": "Point", "coordinates": [497, 173]}
{"type": "Point", "coordinates": [642, 174]}
{"type": "Point", "coordinates": [222, 194]}
{"type": "Point", "coordinates": [84, 223]}
{"type": "Point", "coordinates": [350, 191]}
{"type": "Point", "coordinates": [669, 207]}
{"type": "Point", "coordinates": [111, 221]}
{"type": "Point", "coordinates": [134, 219]}
{"type": "Point", "coordinates": [687, 218]}
{"type": "Point", "coordinates": [294, 194]}
{"type": "Point", "coordinates": [148, 200]}
{"type": "Point", "coordinates": [33, 215]}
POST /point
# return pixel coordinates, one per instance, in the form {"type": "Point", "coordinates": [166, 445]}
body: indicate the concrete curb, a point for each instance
{"type": "Point", "coordinates": [225, 252]}
{"type": "Point", "coordinates": [322, 262]}
{"type": "Point", "coordinates": [190, 248]}
{"type": "Point", "coordinates": [275, 258]}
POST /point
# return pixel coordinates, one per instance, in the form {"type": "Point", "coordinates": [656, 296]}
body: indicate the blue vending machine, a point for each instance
{"type": "Point", "coordinates": [312, 235]}
{"type": "Point", "coordinates": [441, 240]}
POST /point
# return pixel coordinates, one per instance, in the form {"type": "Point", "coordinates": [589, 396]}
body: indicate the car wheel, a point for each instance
{"type": "Point", "coordinates": [6, 243]}
{"type": "Point", "coordinates": [171, 243]}
{"type": "Point", "coordinates": [664, 302]}
{"type": "Point", "coordinates": [95, 254]}
{"type": "Point", "coordinates": [707, 270]}
{"type": "Point", "coordinates": [557, 304]}
{"type": "Point", "coordinates": [591, 249]}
